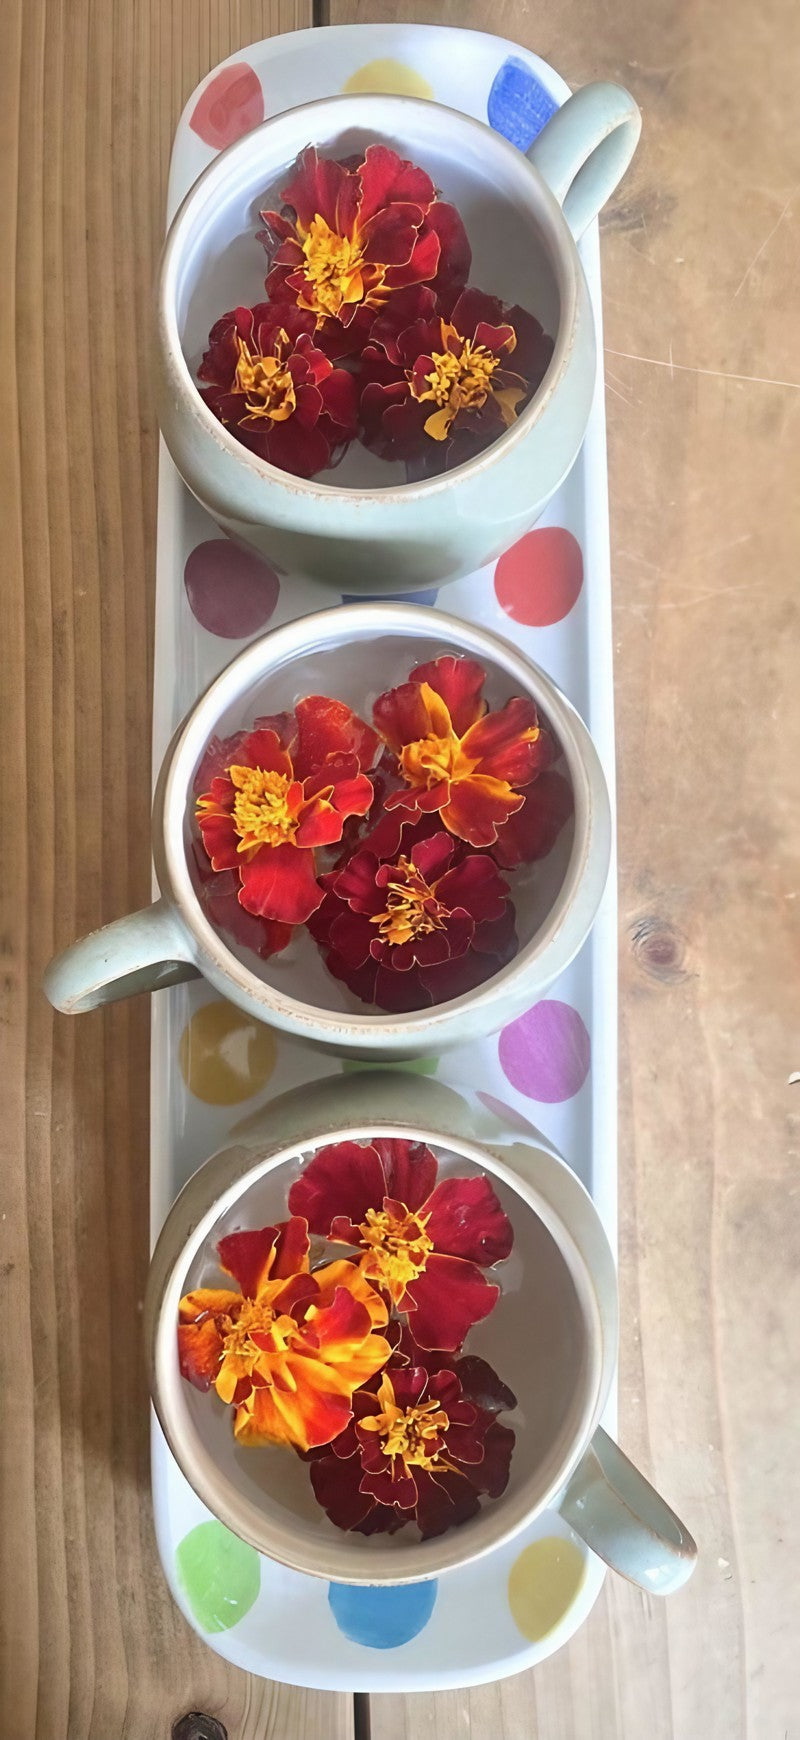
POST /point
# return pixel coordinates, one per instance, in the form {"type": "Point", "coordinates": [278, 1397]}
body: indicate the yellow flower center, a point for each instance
{"type": "Point", "coordinates": [411, 907]}
{"type": "Point", "coordinates": [333, 269]}
{"type": "Point", "coordinates": [261, 813]}
{"type": "Point", "coordinates": [256, 1316]}
{"type": "Point", "coordinates": [268, 386]}
{"type": "Point", "coordinates": [413, 1434]}
{"type": "Point", "coordinates": [397, 1247]}
{"type": "Point", "coordinates": [461, 380]}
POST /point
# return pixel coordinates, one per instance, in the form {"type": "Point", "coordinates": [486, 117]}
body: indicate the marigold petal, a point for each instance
{"type": "Point", "coordinates": [199, 1352]}
{"type": "Point", "coordinates": [315, 187]}
{"type": "Point", "coordinates": [329, 727]}
{"type": "Point", "coordinates": [466, 1220]}
{"type": "Point", "coordinates": [476, 807]}
{"type": "Point", "coordinates": [532, 831]}
{"type": "Point", "coordinates": [301, 451]}
{"type": "Point", "coordinates": [446, 1300]}
{"type": "Point", "coordinates": [208, 1302]}
{"type": "Point", "coordinates": [249, 1256]}
{"type": "Point", "coordinates": [389, 236]}
{"type": "Point", "coordinates": [455, 253]}
{"type": "Point", "coordinates": [505, 743]}
{"type": "Point", "coordinates": [263, 748]}
{"type": "Point", "coordinates": [279, 882]}
{"type": "Point", "coordinates": [337, 1488]}
{"type": "Point", "coordinates": [459, 682]}
{"type": "Point", "coordinates": [401, 716]}
{"type": "Point", "coordinates": [220, 838]}
{"type": "Point", "coordinates": [342, 1178]}
{"type": "Point", "coordinates": [342, 1273]}
{"type": "Point", "coordinates": [409, 1168]}
{"type": "Point", "coordinates": [491, 1475]}
{"type": "Point", "coordinates": [444, 1501]}
{"type": "Point", "coordinates": [472, 885]}
{"type": "Point", "coordinates": [304, 1418]}
{"type": "Point", "coordinates": [385, 177]}
{"type": "Point", "coordinates": [422, 265]}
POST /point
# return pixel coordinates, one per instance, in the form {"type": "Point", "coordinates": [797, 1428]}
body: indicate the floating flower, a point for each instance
{"type": "Point", "coordinates": [288, 1349]}
{"type": "Point", "coordinates": [421, 1448]}
{"type": "Point", "coordinates": [350, 235]}
{"type": "Point", "coordinates": [278, 393]}
{"type": "Point", "coordinates": [292, 783]}
{"type": "Point", "coordinates": [422, 1243]}
{"type": "Point", "coordinates": [416, 929]}
{"type": "Point", "coordinates": [437, 379]}
{"type": "Point", "coordinates": [455, 757]}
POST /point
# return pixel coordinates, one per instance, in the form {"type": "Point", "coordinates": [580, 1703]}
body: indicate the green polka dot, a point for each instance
{"type": "Point", "coordinates": [414, 1065]}
{"type": "Point", "coordinates": [543, 1584]}
{"type": "Point", "coordinates": [219, 1575]}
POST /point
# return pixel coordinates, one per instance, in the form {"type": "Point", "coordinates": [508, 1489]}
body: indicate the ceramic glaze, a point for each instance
{"type": "Point", "coordinates": [384, 535]}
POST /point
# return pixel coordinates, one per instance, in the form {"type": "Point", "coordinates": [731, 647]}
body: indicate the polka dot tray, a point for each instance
{"type": "Point", "coordinates": [553, 1068]}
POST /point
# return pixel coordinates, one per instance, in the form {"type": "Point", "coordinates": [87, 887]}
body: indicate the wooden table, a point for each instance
{"type": "Point", "coordinates": [700, 262]}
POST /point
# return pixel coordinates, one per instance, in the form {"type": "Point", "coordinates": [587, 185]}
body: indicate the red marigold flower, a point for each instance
{"type": "Point", "coordinates": [424, 1244]}
{"type": "Point", "coordinates": [289, 1348]}
{"type": "Point", "coordinates": [421, 1448]}
{"type": "Point", "coordinates": [350, 235]}
{"type": "Point", "coordinates": [282, 791]}
{"type": "Point", "coordinates": [400, 932]}
{"type": "Point", "coordinates": [455, 756]}
{"type": "Point", "coordinates": [277, 392]}
{"type": "Point", "coordinates": [443, 379]}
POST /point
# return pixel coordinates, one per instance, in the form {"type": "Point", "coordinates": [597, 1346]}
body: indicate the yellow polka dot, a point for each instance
{"type": "Point", "coordinates": [391, 78]}
{"type": "Point", "coordinates": [225, 1056]}
{"type": "Point", "coordinates": [543, 1584]}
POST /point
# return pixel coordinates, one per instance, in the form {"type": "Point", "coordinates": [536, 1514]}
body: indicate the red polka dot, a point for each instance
{"type": "Point", "coordinates": [538, 580]}
{"type": "Point", "coordinates": [231, 105]}
{"type": "Point", "coordinates": [231, 591]}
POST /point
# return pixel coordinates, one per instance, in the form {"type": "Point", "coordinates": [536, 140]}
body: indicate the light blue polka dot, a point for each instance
{"type": "Point", "coordinates": [382, 1618]}
{"type": "Point", "coordinates": [427, 597]}
{"type": "Point", "coordinates": [519, 104]}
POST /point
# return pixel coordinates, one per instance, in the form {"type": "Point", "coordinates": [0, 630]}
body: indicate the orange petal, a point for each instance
{"type": "Point", "coordinates": [365, 1361]}
{"type": "Point", "coordinates": [199, 1351]}
{"type": "Point", "coordinates": [331, 1332]}
{"type": "Point", "coordinates": [208, 1301]}
{"type": "Point", "coordinates": [438, 712]}
{"type": "Point", "coordinates": [478, 806]}
{"type": "Point", "coordinates": [351, 1276]}
{"type": "Point", "coordinates": [304, 1418]}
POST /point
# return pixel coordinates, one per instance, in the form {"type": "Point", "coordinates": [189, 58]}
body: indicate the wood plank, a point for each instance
{"type": "Point", "coordinates": [90, 92]}
{"type": "Point", "coordinates": [703, 370]}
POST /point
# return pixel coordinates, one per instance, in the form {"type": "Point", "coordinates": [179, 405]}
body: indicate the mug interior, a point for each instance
{"type": "Point", "coordinates": [356, 672]}
{"type": "Point", "coordinates": [541, 1339]}
{"type": "Point", "coordinates": [222, 265]}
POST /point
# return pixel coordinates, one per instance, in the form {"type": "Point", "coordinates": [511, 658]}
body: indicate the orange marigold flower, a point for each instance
{"type": "Point", "coordinates": [288, 1349]}
{"type": "Point", "coordinates": [456, 756]}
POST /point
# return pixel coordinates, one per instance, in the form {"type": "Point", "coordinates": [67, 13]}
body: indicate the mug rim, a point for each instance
{"type": "Point", "coordinates": [587, 865]}
{"type": "Point", "coordinates": [561, 252]}
{"type": "Point", "coordinates": [201, 1469]}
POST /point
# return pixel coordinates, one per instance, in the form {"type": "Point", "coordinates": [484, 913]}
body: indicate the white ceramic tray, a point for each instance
{"type": "Point", "coordinates": [555, 1069]}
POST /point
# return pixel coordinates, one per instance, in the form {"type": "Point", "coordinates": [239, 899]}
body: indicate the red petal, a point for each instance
{"type": "Point", "coordinates": [477, 807]}
{"type": "Point", "coordinates": [385, 176]}
{"type": "Point", "coordinates": [302, 452]}
{"type": "Point", "coordinates": [431, 857]}
{"type": "Point", "coordinates": [351, 937]}
{"type": "Point", "coordinates": [327, 727]}
{"type": "Point", "coordinates": [403, 309]}
{"type": "Point", "coordinates": [444, 1502]}
{"type": "Point", "coordinates": [340, 401]}
{"type": "Point", "coordinates": [459, 681]}
{"type": "Point", "coordinates": [532, 832]}
{"type": "Point", "coordinates": [388, 238]}
{"type": "Point", "coordinates": [401, 715]}
{"type": "Point", "coordinates": [279, 882]}
{"type": "Point", "coordinates": [472, 885]}
{"type": "Point", "coordinates": [491, 1476]}
{"type": "Point", "coordinates": [481, 1385]}
{"type": "Point", "coordinates": [356, 884]}
{"type": "Point", "coordinates": [474, 308]}
{"type": "Point", "coordinates": [497, 742]}
{"type": "Point", "coordinates": [220, 839]}
{"type": "Point", "coordinates": [398, 993]}
{"type": "Point", "coordinates": [291, 1250]}
{"type": "Point", "coordinates": [336, 1486]}
{"type": "Point", "coordinates": [345, 1178]}
{"type": "Point", "coordinates": [455, 257]}
{"type": "Point", "coordinates": [316, 186]}
{"type": "Point", "coordinates": [447, 1299]}
{"type": "Point", "coordinates": [466, 1220]}
{"type": "Point", "coordinates": [249, 1257]}
{"type": "Point", "coordinates": [423, 264]}
{"type": "Point", "coordinates": [263, 749]}
{"type": "Point", "coordinates": [410, 1170]}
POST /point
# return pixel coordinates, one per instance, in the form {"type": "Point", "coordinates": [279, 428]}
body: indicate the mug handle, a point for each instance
{"type": "Point", "coordinates": [585, 148]}
{"type": "Point", "coordinates": [141, 952]}
{"type": "Point", "coordinates": [625, 1521]}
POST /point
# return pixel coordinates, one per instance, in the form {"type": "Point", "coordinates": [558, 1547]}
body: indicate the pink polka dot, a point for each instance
{"type": "Point", "coordinates": [546, 1053]}
{"type": "Point", "coordinates": [231, 591]}
{"type": "Point", "coordinates": [231, 105]}
{"type": "Point", "coordinates": [539, 579]}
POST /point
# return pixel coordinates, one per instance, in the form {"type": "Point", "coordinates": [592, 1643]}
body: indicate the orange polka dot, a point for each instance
{"type": "Point", "coordinates": [539, 579]}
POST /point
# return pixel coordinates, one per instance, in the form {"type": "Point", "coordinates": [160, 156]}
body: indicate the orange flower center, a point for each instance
{"type": "Point", "coordinates": [261, 812]}
{"type": "Point", "coordinates": [267, 385]}
{"type": "Point", "coordinates": [413, 1434]}
{"type": "Point", "coordinates": [397, 1247]}
{"type": "Point", "coordinates": [411, 907]}
{"type": "Point", "coordinates": [440, 755]}
{"type": "Point", "coordinates": [333, 269]}
{"type": "Point", "coordinates": [461, 380]}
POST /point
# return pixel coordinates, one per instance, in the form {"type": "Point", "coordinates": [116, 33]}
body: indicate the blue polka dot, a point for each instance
{"type": "Point", "coordinates": [382, 1618]}
{"type": "Point", "coordinates": [428, 597]}
{"type": "Point", "coordinates": [519, 104]}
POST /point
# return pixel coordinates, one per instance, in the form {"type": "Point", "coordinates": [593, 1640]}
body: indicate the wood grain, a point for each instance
{"type": "Point", "coordinates": [703, 371]}
{"type": "Point", "coordinates": [700, 251]}
{"type": "Point", "coordinates": [92, 1645]}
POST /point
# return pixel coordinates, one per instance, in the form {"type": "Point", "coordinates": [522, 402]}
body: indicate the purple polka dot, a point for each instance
{"type": "Point", "coordinates": [546, 1053]}
{"type": "Point", "coordinates": [232, 592]}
